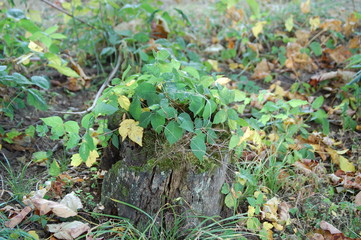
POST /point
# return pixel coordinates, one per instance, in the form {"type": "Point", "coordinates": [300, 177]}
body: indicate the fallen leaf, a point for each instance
{"type": "Point", "coordinates": [68, 230]}
{"type": "Point", "coordinates": [328, 227]}
{"type": "Point", "coordinates": [72, 201]}
{"type": "Point", "coordinates": [332, 24]}
{"type": "Point", "coordinates": [13, 222]}
{"type": "Point", "coordinates": [351, 24]}
{"type": "Point", "coordinates": [306, 6]}
{"type": "Point", "coordinates": [314, 23]}
{"type": "Point", "coordinates": [45, 206]}
{"type": "Point", "coordinates": [340, 54]}
{"type": "Point", "coordinates": [262, 70]}
{"type": "Point", "coordinates": [258, 28]}
{"type": "Point", "coordinates": [346, 165]}
{"type": "Point", "coordinates": [358, 199]}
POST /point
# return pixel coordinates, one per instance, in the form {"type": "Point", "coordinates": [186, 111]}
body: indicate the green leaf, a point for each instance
{"type": "Point", "coordinates": [225, 188]}
{"type": "Point", "coordinates": [198, 145]}
{"type": "Point", "coordinates": [157, 123]}
{"type": "Point", "coordinates": [103, 108]}
{"type": "Point", "coordinates": [145, 119]}
{"type": "Point", "coordinates": [173, 132]}
{"type": "Point", "coordinates": [162, 55]}
{"type": "Point", "coordinates": [56, 124]}
{"type": "Point", "coordinates": [197, 104]}
{"type": "Point", "coordinates": [230, 201]}
{"type": "Point", "coordinates": [72, 141]}
{"type": "Point", "coordinates": [20, 79]}
{"type": "Point", "coordinates": [40, 82]}
{"type": "Point", "coordinates": [220, 117]}
{"type": "Point", "coordinates": [29, 26]}
{"type": "Point", "coordinates": [317, 103]}
{"type": "Point", "coordinates": [35, 99]}
{"type": "Point", "coordinates": [71, 127]}
{"type": "Point", "coordinates": [86, 120]}
{"type": "Point", "coordinates": [316, 48]}
{"type": "Point", "coordinates": [58, 36]}
{"type": "Point", "coordinates": [192, 71]}
{"type": "Point", "coordinates": [234, 141]}
{"type": "Point", "coordinates": [84, 151]}
{"type": "Point", "coordinates": [135, 109]}
{"type": "Point", "coordinates": [64, 70]}
{"type": "Point", "coordinates": [297, 102]}
{"type": "Point", "coordinates": [253, 223]}
{"type": "Point", "coordinates": [51, 29]}
{"type": "Point", "coordinates": [209, 108]}
{"type": "Point", "coordinates": [264, 119]}
{"type": "Point", "coordinates": [186, 122]}
{"type": "Point", "coordinates": [54, 169]}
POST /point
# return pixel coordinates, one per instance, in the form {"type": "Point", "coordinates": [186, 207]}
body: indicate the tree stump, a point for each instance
{"type": "Point", "coordinates": [139, 178]}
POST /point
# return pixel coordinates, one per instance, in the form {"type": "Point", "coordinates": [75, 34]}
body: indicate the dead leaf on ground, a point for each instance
{"type": "Point", "coordinates": [358, 199]}
{"type": "Point", "coordinates": [297, 60]}
{"type": "Point", "coordinates": [332, 24]}
{"type": "Point", "coordinates": [68, 230]}
{"type": "Point", "coordinates": [45, 206]}
{"type": "Point", "coordinates": [13, 222]}
{"type": "Point", "coordinates": [351, 24]}
{"type": "Point", "coordinates": [340, 54]}
{"type": "Point", "coordinates": [263, 69]}
{"type": "Point", "coordinates": [302, 36]}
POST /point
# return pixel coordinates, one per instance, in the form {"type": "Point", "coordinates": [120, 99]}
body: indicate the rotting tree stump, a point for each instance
{"type": "Point", "coordinates": [140, 179]}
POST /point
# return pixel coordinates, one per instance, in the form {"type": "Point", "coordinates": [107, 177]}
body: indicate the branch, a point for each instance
{"type": "Point", "coordinates": [101, 89]}
{"type": "Point", "coordinates": [66, 12]}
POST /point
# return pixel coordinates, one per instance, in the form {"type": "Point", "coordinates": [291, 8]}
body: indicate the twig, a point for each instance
{"type": "Point", "coordinates": [66, 12]}
{"type": "Point", "coordinates": [101, 89]}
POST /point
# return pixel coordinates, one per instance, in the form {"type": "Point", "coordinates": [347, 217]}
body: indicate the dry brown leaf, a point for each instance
{"type": "Point", "coordinates": [262, 70]}
{"type": "Point", "coordinates": [45, 206]}
{"type": "Point", "coordinates": [358, 199]}
{"type": "Point", "coordinates": [339, 54]}
{"type": "Point", "coordinates": [297, 60]}
{"type": "Point", "coordinates": [13, 222]}
{"type": "Point", "coordinates": [159, 28]}
{"type": "Point", "coordinates": [354, 42]}
{"type": "Point", "coordinates": [351, 24]}
{"type": "Point", "coordinates": [68, 230]}
{"type": "Point", "coordinates": [302, 37]}
{"type": "Point", "coordinates": [332, 24]}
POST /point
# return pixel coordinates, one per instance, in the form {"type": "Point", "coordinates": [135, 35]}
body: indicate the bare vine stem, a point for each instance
{"type": "Point", "coordinates": [66, 12]}
{"type": "Point", "coordinates": [101, 89]}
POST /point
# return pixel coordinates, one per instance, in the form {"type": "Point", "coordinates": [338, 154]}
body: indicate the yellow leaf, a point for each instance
{"type": "Point", "coordinates": [76, 160]}
{"type": "Point", "coordinates": [277, 226]}
{"type": "Point", "coordinates": [223, 81]}
{"type": "Point", "coordinates": [34, 235]}
{"type": "Point", "coordinates": [124, 102]}
{"type": "Point", "coordinates": [35, 47]}
{"type": "Point", "coordinates": [346, 165]}
{"type": "Point", "coordinates": [93, 155]}
{"type": "Point", "coordinates": [306, 6]}
{"type": "Point", "coordinates": [251, 211]}
{"type": "Point", "coordinates": [245, 136]}
{"type": "Point", "coordinates": [130, 83]}
{"type": "Point", "coordinates": [136, 134]}
{"type": "Point", "coordinates": [129, 128]}
{"type": "Point", "coordinates": [1, 146]}
{"type": "Point", "coordinates": [267, 226]}
{"type": "Point", "coordinates": [289, 23]}
{"type": "Point", "coordinates": [258, 28]}
{"type": "Point", "coordinates": [314, 22]}
{"type": "Point", "coordinates": [124, 127]}
{"type": "Point", "coordinates": [214, 64]}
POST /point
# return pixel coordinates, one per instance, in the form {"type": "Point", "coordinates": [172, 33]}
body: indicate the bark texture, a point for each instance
{"type": "Point", "coordinates": [150, 188]}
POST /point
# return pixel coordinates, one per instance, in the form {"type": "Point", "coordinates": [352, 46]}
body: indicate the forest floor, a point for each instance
{"type": "Point", "coordinates": [322, 190]}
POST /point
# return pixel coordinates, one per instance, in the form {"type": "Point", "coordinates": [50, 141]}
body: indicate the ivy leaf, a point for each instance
{"type": "Point", "coordinates": [145, 119]}
{"type": "Point", "coordinates": [71, 127]}
{"type": "Point", "coordinates": [173, 132]}
{"type": "Point", "coordinates": [93, 155]}
{"type": "Point", "coordinates": [198, 146]}
{"type": "Point", "coordinates": [56, 124]}
{"type": "Point", "coordinates": [158, 123]}
{"type": "Point", "coordinates": [230, 201]}
{"type": "Point", "coordinates": [40, 82]}
{"type": "Point", "coordinates": [186, 122]}
{"type": "Point", "coordinates": [197, 104]}
{"type": "Point", "coordinates": [297, 102]}
{"type": "Point", "coordinates": [76, 160]}
{"type": "Point", "coordinates": [210, 107]}
{"type": "Point", "coordinates": [124, 102]}
{"type": "Point", "coordinates": [220, 117]}
{"type": "Point", "coordinates": [129, 128]}
{"type": "Point", "coordinates": [35, 99]}
{"type": "Point", "coordinates": [317, 103]}
{"type": "Point", "coordinates": [162, 55]}
{"type": "Point", "coordinates": [54, 169]}
{"type": "Point", "coordinates": [103, 108]}
{"type": "Point", "coordinates": [316, 48]}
